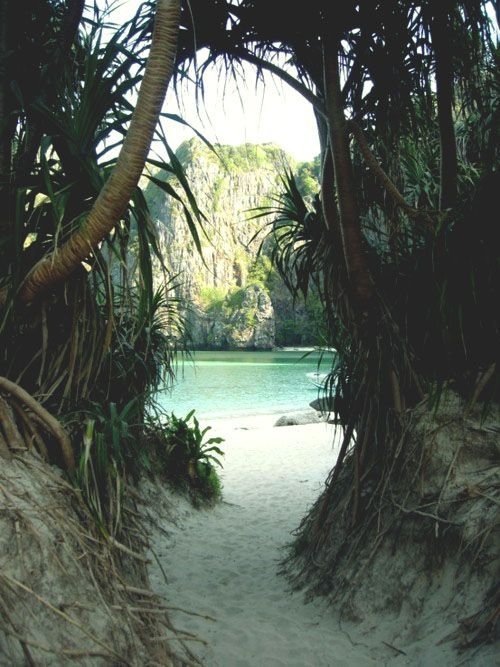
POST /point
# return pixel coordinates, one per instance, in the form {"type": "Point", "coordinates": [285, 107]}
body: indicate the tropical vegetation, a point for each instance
{"type": "Point", "coordinates": [400, 242]}
{"type": "Point", "coordinates": [87, 335]}
{"type": "Point", "coordinates": [191, 458]}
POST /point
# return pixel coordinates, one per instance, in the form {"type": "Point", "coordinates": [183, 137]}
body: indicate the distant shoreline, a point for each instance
{"type": "Point", "coordinates": [285, 348]}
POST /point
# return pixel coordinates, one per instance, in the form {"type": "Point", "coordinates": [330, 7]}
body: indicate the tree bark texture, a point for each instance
{"type": "Point", "coordinates": [352, 239]}
{"type": "Point", "coordinates": [329, 205]}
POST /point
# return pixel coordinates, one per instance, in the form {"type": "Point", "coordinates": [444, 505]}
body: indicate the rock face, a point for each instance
{"type": "Point", "coordinates": [249, 326]}
{"type": "Point", "coordinates": [225, 294]}
{"type": "Point", "coordinates": [253, 325]}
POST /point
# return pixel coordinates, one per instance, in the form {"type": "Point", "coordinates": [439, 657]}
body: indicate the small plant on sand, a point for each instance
{"type": "Point", "coordinates": [191, 457]}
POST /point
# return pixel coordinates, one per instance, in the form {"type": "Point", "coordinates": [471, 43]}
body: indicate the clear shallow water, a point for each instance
{"type": "Point", "coordinates": [231, 384]}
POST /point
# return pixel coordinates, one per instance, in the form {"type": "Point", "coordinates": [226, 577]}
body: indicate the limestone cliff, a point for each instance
{"type": "Point", "coordinates": [225, 292]}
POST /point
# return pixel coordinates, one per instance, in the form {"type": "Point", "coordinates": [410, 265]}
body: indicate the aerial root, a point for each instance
{"type": "Point", "coordinates": [21, 418]}
{"type": "Point", "coordinates": [481, 627]}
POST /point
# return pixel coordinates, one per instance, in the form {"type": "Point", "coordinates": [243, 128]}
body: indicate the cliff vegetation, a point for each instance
{"type": "Point", "coordinates": [230, 294]}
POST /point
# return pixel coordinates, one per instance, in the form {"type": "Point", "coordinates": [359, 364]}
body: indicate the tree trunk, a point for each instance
{"type": "Point", "coordinates": [329, 205]}
{"type": "Point", "coordinates": [322, 125]}
{"type": "Point", "coordinates": [69, 29]}
{"type": "Point", "coordinates": [352, 239]}
{"type": "Point", "coordinates": [440, 29]}
{"type": "Point", "coordinates": [113, 199]}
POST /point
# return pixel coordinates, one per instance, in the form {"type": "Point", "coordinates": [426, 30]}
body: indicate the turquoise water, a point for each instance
{"type": "Point", "coordinates": [230, 384]}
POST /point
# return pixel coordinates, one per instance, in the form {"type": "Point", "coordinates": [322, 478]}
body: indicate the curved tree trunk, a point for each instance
{"type": "Point", "coordinates": [113, 199]}
{"type": "Point", "coordinates": [352, 239]}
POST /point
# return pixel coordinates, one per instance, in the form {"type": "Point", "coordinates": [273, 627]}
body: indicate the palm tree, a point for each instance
{"type": "Point", "coordinates": [53, 145]}
{"type": "Point", "coordinates": [114, 197]}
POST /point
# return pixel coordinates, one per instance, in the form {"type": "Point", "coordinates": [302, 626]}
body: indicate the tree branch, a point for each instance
{"type": "Point", "coordinates": [352, 238]}
{"type": "Point", "coordinates": [373, 164]}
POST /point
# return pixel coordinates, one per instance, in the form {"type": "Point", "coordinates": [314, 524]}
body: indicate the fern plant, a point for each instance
{"type": "Point", "coordinates": [191, 457]}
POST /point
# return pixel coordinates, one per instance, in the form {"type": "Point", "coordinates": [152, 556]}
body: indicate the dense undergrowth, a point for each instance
{"type": "Point", "coordinates": [400, 245]}
{"type": "Point", "coordinates": [95, 350]}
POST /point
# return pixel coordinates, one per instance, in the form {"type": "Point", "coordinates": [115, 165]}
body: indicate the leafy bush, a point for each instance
{"type": "Point", "coordinates": [261, 271]}
{"type": "Point", "coordinates": [109, 454]}
{"type": "Point", "coordinates": [212, 298]}
{"type": "Point", "coordinates": [190, 458]}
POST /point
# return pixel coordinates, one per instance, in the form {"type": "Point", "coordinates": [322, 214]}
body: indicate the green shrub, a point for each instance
{"type": "Point", "coordinates": [108, 455]}
{"type": "Point", "coordinates": [260, 271]}
{"type": "Point", "coordinates": [209, 484]}
{"type": "Point", "coordinates": [212, 298]}
{"type": "Point", "coordinates": [190, 458]}
{"type": "Point", "coordinates": [234, 300]}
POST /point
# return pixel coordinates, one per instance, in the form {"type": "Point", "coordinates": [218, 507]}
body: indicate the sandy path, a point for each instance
{"type": "Point", "coordinates": [223, 562]}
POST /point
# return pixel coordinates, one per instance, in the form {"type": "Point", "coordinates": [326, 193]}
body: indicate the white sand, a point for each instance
{"type": "Point", "coordinates": [223, 562]}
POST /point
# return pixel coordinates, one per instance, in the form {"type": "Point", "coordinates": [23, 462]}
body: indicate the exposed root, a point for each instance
{"type": "Point", "coordinates": [5, 452]}
{"type": "Point", "coordinates": [485, 625]}
{"type": "Point", "coordinates": [66, 593]}
{"type": "Point", "coordinates": [31, 415]}
{"type": "Point", "coordinates": [432, 512]}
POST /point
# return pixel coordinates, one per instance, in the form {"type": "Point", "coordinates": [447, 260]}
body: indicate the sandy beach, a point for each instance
{"type": "Point", "coordinates": [223, 563]}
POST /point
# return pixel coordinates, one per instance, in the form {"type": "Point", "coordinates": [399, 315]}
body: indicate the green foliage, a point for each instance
{"type": "Point", "coordinates": [100, 479]}
{"type": "Point", "coordinates": [118, 445]}
{"type": "Point", "coordinates": [297, 234]}
{"type": "Point", "coordinates": [261, 271]}
{"type": "Point", "coordinates": [410, 297]}
{"type": "Point", "coordinates": [190, 457]}
{"type": "Point", "coordinates": [234, 300]}
{"type": "Point", "coordinates": [95, 349]}
{"type": "Point", "coordinates": [109, 451]}
{"type": "Point", "coordinates": [251, 156]}
{"type": "Point", "coordinates": [235, 159]}
{"type": "Point", "coordinates": [212, 298]}
{"type": "Point", "coordinates": [221, 303]}
{"type": "Point", "coordinates": [307, 177]}
{"type": "Point", "coordinates": [209, 482]}
{"type": "Point", "coordinates": [116, 426]}
{"type": "Point", "coordinates": [108, 335]}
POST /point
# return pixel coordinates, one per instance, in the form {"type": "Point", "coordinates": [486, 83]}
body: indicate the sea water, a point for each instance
{"type": "Point", "coordinates": [232, 384]}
